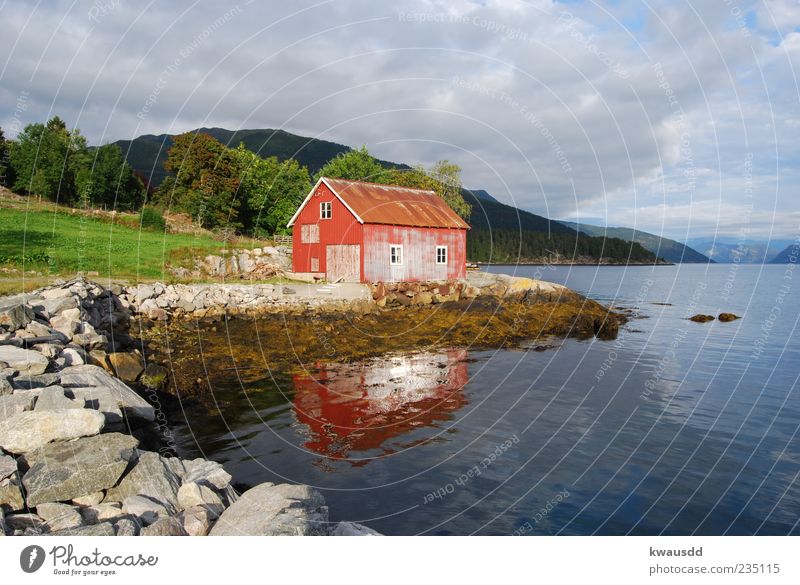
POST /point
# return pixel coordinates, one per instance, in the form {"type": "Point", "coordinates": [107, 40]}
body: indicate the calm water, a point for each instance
{"type": "Point", "coordinates": [674, 428]}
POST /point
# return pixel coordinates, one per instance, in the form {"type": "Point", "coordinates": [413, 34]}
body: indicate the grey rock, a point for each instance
{"type": "Point", "coordinates": [40, 381]}
{"type": "Point", "coordinates": [197, 521]}
{"type": "Point", "coordinates": [90, 341]}
{"type": "Point", "coordinates": [170, 526]}
{"type": "Point", "coordinates": [5, 384]}
{"type": "Point", "coordinates": [27, 431]}
{"type": "Point", "coordinates": [206, 472]}
{"type": "Point", "coordinates": [89, 500]}
{"type": "Point", "coordinates": [353, 529]}
{"type": "Point", "coordinates": [193, 494]}
{"type": "Point", "coordinates": [101, 512]}
{"type": "Point", "coordinates": [48, 350]}
{"type": "Point", "coordinates": [127, 526]}
{"type": "Point", "coordinates": [147, 509]}
{"type": "Point", "coordinates": [59, 516]}
{"type": "Point", "coordinates": [270, 509]}
{"type": "Point", "coordinates": [88, 376]}
{"type": "Point", "coordinates": [68, 323]}
{"type": "Point", "coordinates": [53, 398]}
{"type": "Point", "coordinates": [37, 329]}
{"type": "Point", "coordinates": [100, 399]}
{"type": "Point", "coordinates": [56, 305]}
{"type": "Point", "coordinates": [11, 406]}
{"type": "Point", "coordinates": [11, 493]}
{"type": "Point", "coordinates": [103, 529]}
{"type": "Point", "coordinates": [63, 471]}
{"type": "Point", "coordinates": [25, 521]}
{"type": "Point", "coordinates": [8, 465]}
{"type": "Point", "coordinates": [144, 292]}
{"type": "Point", "coordinates": [3, 527]}
{"type": "Point", "coordinates": [73, 357]}
{"type": "Point", "coordinates": [14, 315]}
{"type": "Point", "coordinates": [150, 476]}
{"type": "Point", "coordinates": [25, 361]}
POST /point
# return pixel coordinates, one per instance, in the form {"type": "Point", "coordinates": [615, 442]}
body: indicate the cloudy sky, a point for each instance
{"type": "Point", "coordinates": [679, 117]}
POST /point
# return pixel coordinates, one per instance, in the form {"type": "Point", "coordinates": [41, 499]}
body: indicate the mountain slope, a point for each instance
{"type": "Point", "coordinates": [147, 153]}
{"type": "Point", "coordinates": [786, 256]}
{"type": "Point", "coordinates": [670, 250]}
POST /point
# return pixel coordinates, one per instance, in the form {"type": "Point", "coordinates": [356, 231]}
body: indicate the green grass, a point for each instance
{"type": "Point", "coordinates": [55, 242]}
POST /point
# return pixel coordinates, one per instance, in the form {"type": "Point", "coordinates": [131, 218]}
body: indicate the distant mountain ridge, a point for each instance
{"type": "Point", "coordinates": [789, 255]}
{"type": "Point", "coordinates": [729, 250]}
{"type": "Point", "coordinates": [669, 250]}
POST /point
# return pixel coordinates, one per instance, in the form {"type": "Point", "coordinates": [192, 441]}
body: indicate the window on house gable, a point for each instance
{"type": "Point", "coordinates": [325, 210]}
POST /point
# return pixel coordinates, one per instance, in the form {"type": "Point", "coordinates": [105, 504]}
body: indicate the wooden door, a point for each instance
{"type": "Point", "coordinates": [343, 263]}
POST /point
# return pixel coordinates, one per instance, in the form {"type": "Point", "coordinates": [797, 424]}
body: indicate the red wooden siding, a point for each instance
{"type": "Point", "coordinates": [341, 228]}
{"type": "Point", "coordinates": [419, 253]}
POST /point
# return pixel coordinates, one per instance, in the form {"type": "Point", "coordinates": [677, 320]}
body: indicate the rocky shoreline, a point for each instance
{"type": "Point", "coordinates": [70, 460]}
{"type": "Point", "coordinates": [72, 429]}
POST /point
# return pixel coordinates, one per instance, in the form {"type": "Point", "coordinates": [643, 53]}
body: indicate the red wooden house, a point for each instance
{"type": "Point", "coordinates": [352, 231]}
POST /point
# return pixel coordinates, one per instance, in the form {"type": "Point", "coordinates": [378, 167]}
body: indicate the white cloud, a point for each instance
{"type": "Point", "coordinates": [563, 109]}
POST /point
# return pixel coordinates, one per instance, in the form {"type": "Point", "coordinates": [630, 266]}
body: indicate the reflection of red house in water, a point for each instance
{"type": "Point", "coordinates": [358, 407]}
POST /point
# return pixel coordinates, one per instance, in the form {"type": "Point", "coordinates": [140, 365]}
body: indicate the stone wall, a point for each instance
{"type": "Point", "coordinates": [253, 264]}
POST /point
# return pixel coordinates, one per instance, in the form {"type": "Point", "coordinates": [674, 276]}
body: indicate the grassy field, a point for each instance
{"type": "Point", "coordinates": [40, 243]}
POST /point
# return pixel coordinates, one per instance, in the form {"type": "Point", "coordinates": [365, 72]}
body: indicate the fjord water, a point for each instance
{"type": "Point", "coordinates": [675, 427]}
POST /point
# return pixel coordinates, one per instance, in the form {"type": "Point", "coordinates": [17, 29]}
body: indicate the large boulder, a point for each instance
{"type": "Point", "coordinates": [103, 529]}
{"type": "Point", "coordinates": [14, 314]}
{"type": "Point", "coordinates": [59, 516]}
{"type": "Point", "coordinates": [197, 521]}
{"type": "Point", "coordinates": [353, 529]}
{"type": "Point", "coordinates": [193, 494]}
{"type": "Point", "coordinates": [126, 366]}
{"type": "Point", "coordinates": [27, 431]}
{"type": "Point", "coordinates": [62, 471]}
{"type": "Point", "coordinates": [53, 398]}
{"type": "Point", "coordinates": [146, 509]}
{"type": "Point", "coordinates": [25, 361]}
{"type": "Point", "coordinates": [150, 476]}
{"type": "Point", "coordinates": [275, 510]}
{"type": "Point", "coordinates": [169, 526]}
{"type": "Point", "coordinates": [11, 494]}
{"type": "Point", "coordinates": [207, 472]}
{"type": "Point", "coordinates": [13, 404]}
{"type": "Point", "coordinates": [82, 380]}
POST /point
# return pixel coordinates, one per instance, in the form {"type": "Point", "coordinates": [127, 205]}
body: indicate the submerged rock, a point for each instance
{"type": "Point", "coordinates": [353, 529]}
{"type": "Point", "coordinates": [700, 318]}
{"type": "Point", "coordinates": [727, 317]}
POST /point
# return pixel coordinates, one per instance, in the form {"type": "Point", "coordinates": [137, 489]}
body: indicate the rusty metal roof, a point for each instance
{"type": "Point", "coordinates": [392, 205]}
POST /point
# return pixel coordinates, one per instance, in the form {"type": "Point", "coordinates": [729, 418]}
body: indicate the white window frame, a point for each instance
{"type": "Point", "coordinates": [444, 263]}
{"type": "Point", "coordinates": [325, 209]}
{"type": "Point", "coordinates": [391, 249]}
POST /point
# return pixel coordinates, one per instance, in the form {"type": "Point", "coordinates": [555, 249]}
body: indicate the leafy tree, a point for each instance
{"type": "Point", "coordinates": [204, 182]}
{"type": "Point", "coordinates": [271, 190]}
{"type": "Point", "coordinates": [355, 165]}
{"type": "Point", "coordinates": [104, 178]}
{"type": "Point", "coordinates": [444, 177]}
{"type": "Point", "coordinates": [49, 153]}
{"type": "Point", "coordinates": [6, 177]}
